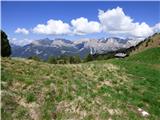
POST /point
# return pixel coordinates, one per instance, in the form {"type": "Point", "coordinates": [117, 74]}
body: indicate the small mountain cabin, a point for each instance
{"type": "Point", "coordinates": [120, 55]}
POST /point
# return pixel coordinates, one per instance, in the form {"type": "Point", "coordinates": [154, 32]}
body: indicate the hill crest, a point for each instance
{"type": "Point", "coordinates": [150, 42]}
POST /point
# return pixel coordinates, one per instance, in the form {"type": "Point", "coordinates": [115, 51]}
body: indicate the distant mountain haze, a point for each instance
{"type": "Point", "coordinates": [44, 48]}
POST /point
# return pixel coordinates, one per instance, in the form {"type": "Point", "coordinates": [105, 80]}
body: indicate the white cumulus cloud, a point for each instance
{"type": "Point", "coordinates": [142, 30]}
{"type": "Point", "coordinates": [156, 28]}
{"type": "Point", "coordinates": [115, 21]}
{"type": "Point", "coordinates": [20, 42]}
{"type": "Point", "coordinates": [22, 30]}
{"type": "Point", "coordinates": [82, 26]}
{"type": "Point", "coordinates": [53, 27]}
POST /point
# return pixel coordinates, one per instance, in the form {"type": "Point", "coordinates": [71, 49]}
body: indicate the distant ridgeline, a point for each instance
{"type": "Point", "coordinates": [65, 51]}
{"type": "Point", "coordinates": [150, 42]}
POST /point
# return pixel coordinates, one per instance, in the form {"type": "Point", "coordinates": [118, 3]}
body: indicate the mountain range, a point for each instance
{"type": "Point", "coordinates": [44, 48]}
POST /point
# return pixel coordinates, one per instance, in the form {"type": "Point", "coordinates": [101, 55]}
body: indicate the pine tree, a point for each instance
{"type": "Point", "coordinates": [71, 59]}
{"type": "Point", "coordinates": [88, 58]}
{"type": "Point", "coordinates": [52, 60]}
{"type": "Point", "coordinates": [77, 59]}
{"type": "Point", "coordinates": [5, 46]}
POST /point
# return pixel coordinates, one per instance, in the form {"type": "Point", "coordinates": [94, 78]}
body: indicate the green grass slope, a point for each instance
{"type": "Point", "coordinates": [145, 69]}
{"type": "Point", "coordinates": [151, 56]}
{"type": "Point", "coordinates": [98, 90]}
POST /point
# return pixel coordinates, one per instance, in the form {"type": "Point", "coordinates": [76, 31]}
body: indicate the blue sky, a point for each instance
{"type": "Point", "coordinates": [29, 14]}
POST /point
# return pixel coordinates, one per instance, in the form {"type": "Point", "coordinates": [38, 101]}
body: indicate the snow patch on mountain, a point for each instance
{"type": "Point", "coordinates": [46, 47]}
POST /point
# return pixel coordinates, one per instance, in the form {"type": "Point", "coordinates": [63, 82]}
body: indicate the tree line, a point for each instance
{"type": "Point", "coordinates": [64, 59]}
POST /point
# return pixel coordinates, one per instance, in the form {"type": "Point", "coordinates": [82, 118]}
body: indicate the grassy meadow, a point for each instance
{"type": "Point", "coordinates": [98, 90]}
